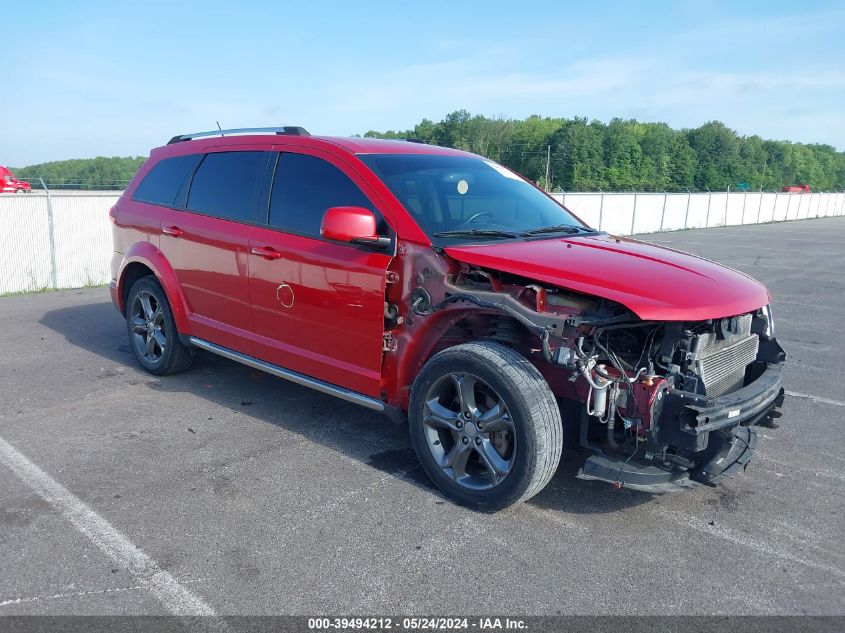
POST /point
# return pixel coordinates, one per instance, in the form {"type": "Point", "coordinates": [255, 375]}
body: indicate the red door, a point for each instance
{"type": "Point", "coordinates": [208, 245]}
{"type": "Point", "coordinates": [317, 305]}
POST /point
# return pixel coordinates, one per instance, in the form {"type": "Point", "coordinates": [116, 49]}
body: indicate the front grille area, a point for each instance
{"type": "Point", "coordinates": [721, 363]}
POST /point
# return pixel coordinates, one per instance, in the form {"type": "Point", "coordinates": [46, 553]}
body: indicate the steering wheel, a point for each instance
{"type": "Point", "coordinates": [471, 219]}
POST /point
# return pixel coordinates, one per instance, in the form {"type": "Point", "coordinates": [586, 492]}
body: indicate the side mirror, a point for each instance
{"type": "Point", "coordinates": [353, 225]}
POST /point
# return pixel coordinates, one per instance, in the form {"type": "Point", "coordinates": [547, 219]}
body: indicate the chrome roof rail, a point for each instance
{"type": "Point", "coordinates": [287, 130]}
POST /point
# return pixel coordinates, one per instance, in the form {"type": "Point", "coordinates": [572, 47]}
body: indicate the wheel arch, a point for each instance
{"type": "Point", "coordinates": [142, 260]}
{"type": "Point", "coordinates": [436, 333]}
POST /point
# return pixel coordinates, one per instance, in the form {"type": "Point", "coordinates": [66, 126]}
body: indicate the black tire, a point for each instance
{"type": "Point", "coordinates": [533, 414]}
{"type": "Point", "coordinates": [172, 356]}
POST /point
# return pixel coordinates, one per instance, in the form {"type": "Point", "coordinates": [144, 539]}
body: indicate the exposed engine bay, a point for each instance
{"type": "Point", "coordinates": [656, 406]}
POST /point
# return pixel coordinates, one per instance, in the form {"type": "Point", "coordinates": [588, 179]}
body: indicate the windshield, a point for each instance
{"type": "Point", "coordinates": [460, 199]}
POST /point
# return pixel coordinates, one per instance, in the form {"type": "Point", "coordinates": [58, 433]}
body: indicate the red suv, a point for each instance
{"type": "Point", "coordinates": [439, 287]}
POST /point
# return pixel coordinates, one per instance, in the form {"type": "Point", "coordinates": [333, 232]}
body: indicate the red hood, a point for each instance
{"type": "Point", "coordinates": [656, 283]}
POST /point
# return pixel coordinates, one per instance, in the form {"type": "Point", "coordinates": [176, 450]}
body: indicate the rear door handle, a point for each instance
{"type": "Point", "coordinates": [175, 231]}
{"type": "Point", "coordinates": [266, 252]}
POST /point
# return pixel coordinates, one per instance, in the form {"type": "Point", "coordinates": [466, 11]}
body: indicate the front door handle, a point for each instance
{"type": "Point", "coordinates": [175, 231]}
{"type": "Point", "coordinates": [266, 252]}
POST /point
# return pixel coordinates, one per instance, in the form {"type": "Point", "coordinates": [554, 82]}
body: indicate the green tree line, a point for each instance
{"type": "Point", "coordinates": [622, 155]}
{"type": "Point", "coordinates": [582, 155]}
{"type": "Point", "coordinates": [82, 173]}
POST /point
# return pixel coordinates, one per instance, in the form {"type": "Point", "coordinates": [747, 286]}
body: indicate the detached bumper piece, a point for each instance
{"type": "Point", "coordinates": [731, 458]}
{"type": "Point", "coordinates": [635, 475]}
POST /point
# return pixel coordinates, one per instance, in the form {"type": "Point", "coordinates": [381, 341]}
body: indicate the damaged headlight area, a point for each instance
{"type": "Point", "coordinates": [657, 406]}
{"type": "Point", "coordinates": [770, 320]}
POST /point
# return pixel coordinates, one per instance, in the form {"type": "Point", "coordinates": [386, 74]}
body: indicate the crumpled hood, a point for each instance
{"type": "Point", "coordinates": [654, 282]}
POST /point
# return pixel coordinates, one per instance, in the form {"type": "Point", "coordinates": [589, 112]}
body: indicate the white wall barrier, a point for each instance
{"type": "Point", "coordinates": [630, 213]}
{"type": "Point", "coordinates": [63, 240]}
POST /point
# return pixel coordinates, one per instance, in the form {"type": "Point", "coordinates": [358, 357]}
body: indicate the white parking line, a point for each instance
{"type": "Point", "coordinates": [798, 394]}
{"type": "Point", "coordinates": [175, 597]}
{"type": "Point", "coordinates": [78, 594]}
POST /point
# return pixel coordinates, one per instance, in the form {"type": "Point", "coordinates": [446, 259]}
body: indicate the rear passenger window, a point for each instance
{"type": "Point", "coordinates": [304, 187]}
{"type": "Point", "coordinates": [165, 179]}
{"type": "Point", "coordinates": [225, 185]}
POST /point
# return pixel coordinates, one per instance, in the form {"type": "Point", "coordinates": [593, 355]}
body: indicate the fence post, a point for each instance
{"type": "Point", "coordinates": [709, 199]}
{"type": "Point", "coordinates": [634, 214]}
{"type": "Point", "coordinates": [54, 282]}
{"type": "Point", "coordinates": [686, 214]}
{"type": "Point", "coordinates": [663, 211]}
{"type": "Point", "coordinates": [601, 207]}
{"type": "Point", "coordinates": [727, 201]}
{"type": "Point", "coordinates": [744, 200]}
{"type": "Point", "coordinates": [760, 208]}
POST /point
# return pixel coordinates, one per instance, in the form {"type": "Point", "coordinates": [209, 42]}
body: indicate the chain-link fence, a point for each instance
{"type": "Point", "coordinates": [63, 239]}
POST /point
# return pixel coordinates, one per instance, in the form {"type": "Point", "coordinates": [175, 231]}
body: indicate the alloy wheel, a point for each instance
{"type": "Point", "coordinates": [149, 335]}
{"type": "Point", "coordinates": [469, 431]}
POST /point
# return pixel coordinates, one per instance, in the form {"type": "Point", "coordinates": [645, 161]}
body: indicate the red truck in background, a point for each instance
{"type": "Point", "coordinates": [10, 184]}
{"type": "Point", "coordinates": [796, 189]}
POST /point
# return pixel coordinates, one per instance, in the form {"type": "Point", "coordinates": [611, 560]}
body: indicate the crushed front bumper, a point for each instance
{"type": "Point", "coordinates": [686, 420]}
{"type": "Point", "coordinates": [710, 438]}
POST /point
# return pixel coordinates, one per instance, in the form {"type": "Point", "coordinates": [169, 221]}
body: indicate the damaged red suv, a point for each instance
{"type": "Point", "coordinates": [441, 288]}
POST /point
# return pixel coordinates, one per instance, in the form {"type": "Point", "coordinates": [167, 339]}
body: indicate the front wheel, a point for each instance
{"type": "Point", "coordinates": [485, 425]}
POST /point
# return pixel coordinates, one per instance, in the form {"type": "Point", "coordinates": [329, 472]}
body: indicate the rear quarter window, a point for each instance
{"type": "Point", "coordinates": [162, 183]}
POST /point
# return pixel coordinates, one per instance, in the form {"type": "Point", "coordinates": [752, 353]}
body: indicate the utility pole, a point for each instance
{"type": "Point", "coordinates": [548, 164]}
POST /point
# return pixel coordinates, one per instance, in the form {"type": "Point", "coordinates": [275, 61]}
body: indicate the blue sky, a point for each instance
{"type": "Point", "coordinates": [117, 78]}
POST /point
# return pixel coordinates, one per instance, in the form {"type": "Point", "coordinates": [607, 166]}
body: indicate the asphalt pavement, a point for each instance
{"type": "Point", "coordinates": [225, 490]}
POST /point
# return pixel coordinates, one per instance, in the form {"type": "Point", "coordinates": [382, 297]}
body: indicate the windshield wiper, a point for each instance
{"type": "Point", "coordinates": [477, 233]}
{"type": "Point", "coordinates": [559, 228]}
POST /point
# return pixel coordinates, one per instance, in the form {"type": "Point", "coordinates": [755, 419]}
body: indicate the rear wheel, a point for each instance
{"type": "Point", "coordinates": [152, 331]}
{"type": "Point", "coordinates": [485, 425]}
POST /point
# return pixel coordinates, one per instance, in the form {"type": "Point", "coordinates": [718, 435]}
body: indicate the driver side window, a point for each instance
{"type": "Point", "coordinates": [304, 187]}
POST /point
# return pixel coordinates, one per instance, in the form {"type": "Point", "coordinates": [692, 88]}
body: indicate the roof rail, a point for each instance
{"type": "Point", "coordinates": [289, 130]}
{"type": "Point", "coordinates": [412, 139]}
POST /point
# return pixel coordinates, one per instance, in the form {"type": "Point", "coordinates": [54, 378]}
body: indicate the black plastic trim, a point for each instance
{"type": "Point", "coordinates": [734, 408]}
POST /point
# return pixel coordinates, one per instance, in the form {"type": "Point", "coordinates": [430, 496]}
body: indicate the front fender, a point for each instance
{"type": "Point", "coordinates": [151, 257]}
